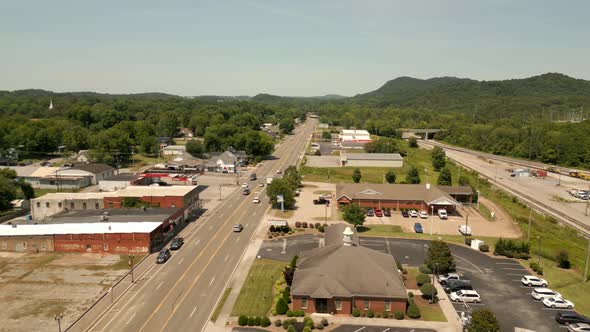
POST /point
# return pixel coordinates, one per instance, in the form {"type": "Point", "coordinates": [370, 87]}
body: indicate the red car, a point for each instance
{"type": "Point", "coordinates": [378, 213]}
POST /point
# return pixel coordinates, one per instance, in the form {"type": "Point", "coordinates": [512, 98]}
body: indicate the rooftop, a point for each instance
{"type": "Point", "coordinates": [78, 228]}
{"type": "Point", "coordinates": [34, 171]}
{"type": "Point", "coordinates": [93, 168]}
{"type": "Point", "coordinates": [121, 177]}
{"type": "Point", "coordinates": [175, 147]}
{"type": "Point", "coordinates": [130, 191]}
{"type": "Point", "coordinates": [354, 132]}
{"type": "Point", "coordinates": [114, 215]}
{"type": "Point", "coordinates": [402, 192]}
{"type": "Point", "coordinates": [372, 156]}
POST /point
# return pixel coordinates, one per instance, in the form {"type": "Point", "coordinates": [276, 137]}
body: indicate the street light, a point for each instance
{"type": "Point", "coordinates": [130, 262]}
{"type": "Point", "coordinates": [431, 217]}
{"type": "Point", "coordinates": [477, 191]}
{"type": "Point", "coordinates": [58, 318]}
{"type": "Point", "coordinates": [466, 225]}
{"type": "Point", "coordinates": [539, 253]}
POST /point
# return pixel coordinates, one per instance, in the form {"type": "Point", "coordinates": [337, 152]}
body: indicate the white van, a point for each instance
{"type": "Point", "coordinates": [465, 230]}
{"type": "Point", "coordinates": [442, 214]}
{"type": "Point", "coordinates": [466, 296]}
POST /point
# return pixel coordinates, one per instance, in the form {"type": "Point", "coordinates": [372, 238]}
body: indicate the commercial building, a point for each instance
{"type": "Point", "coordinates": [343, 275]}
{"type": "Point", "coordinates": [371, 159]}
{"type": "Point", "coordinates": [96, 172]}
{"type": "Point", "coordinates": [173, 150]}
{"type": "Point", "coordinates": [354, 139]}
{"type": "Point", "coordinates": [115, 231]}
{"type": "Point", "coordinates": [401, 196]}
{"type": "Point", "coordinates": [117, 182]}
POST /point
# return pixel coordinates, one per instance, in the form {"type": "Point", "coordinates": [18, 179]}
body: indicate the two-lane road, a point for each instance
{"type": "Point", "coordinates": [181, 294]}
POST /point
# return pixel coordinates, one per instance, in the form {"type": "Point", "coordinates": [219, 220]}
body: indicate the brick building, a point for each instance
{"type": "Point", "coordinates": [329, 279]}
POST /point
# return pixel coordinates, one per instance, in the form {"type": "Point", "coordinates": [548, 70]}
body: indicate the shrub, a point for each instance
{"type": "Point", "coordinates": [319, 327]}
{"type": "Point", "coordinates": [317, 225]}
{"type": "Point", "coordinates": [324, 322]}
{"type": "Point", "coordinates": [422, 279]}
{"type": "Point", "coordinates": [321, 228]}
{"type": "Point", "coordinates": [398, 315]}
{"type": "Point", "coordinates": [278, 323]}
{"type": "Point", "coordinates": [468, 241]}
{"type": "Point", "coordinates": [310, 225]}
{"type": "Point", "coordinates": [410, 294]}
{"type": "Point", "coordinates": [370, 313]}
{"type": "Point", "coordinates": [299, 313]}
{"type": "Point", "coordinates": [293, 262]}
{"type": "Point", "coordinates": [563, 260]}
{"type": "Point", "coordinates": [298, 224]}
{"type": "Point", "coordinates": [540, 270]}
{"type": "Point", "coordinates": [308, 322]}
{"type": "Point", "coordinates": [398, 264]}
{"type": "Point", "coordinates": [509, 253]}
{"type": "Point", "coordinates": [291, 328]}
{"type": "Point", "coordinates": [355, 312]}
{"type": "Point", "coordinates": [307, 328]}
{"type": "Point", "coordinates": [289, 313]}
{"type": "Point", "coordinates": [251, 321]}
{"type": "Point", "coordinates": [484, 248]}
{"type": "Point", "coordinates": [282, 306]}
{"type": "Point", "coordinates": [428, 291]}
{"type": "Point", "coordinates": [287, 323]}
{"type": "Point", "coordinates": [287, 294]}
{"type": "Point", "coordinates": [413, 310]}
{"type": "Point", "coordinates": [257, 321]}
{"type": "Point", "coordinates": [271, 229]}
{"type": "Point", "coordinates": [524, 255]}
{"type": "Point", "coordinates": [385, 314]}
{"type": "Point", "coordinates": [304, 224]}
{"type": "Point", "coordinates": [533, 265]}
{"type": "Point", "coordinates": [265, 321]}
{"type": "Point", "coordinates": [425, 269]}
{"type": "Point", "coordinates": [243, 320]}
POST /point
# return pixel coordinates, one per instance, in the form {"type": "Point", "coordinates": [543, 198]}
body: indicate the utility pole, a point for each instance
{"type": "Point", "coordinates": [58, 318]}
{"type": "Point", "coordinates": [530, 217]}
{"type": "Point", "coordinates": [587, 259]}
{"type": "Point", "coordinates": [131, 257]}
{"type": "Point", "coordinates": [539, 254]}
{"type": "Point", "coordinates": [587, 202]}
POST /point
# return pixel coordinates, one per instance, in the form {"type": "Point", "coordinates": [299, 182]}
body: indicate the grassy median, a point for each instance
{"type": "Point", "coordinates": [255, 298]}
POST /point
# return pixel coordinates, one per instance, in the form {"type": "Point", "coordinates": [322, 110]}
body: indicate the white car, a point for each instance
{"type": "Point", "coordinates": [541, 293]}
{"type": "Point", "coordinates": [444, 278]}
{"type": "Point", "coordinates": [413, 214]}
{"type": "Point", "coordinates": [256, 200]}
{"type": "Point", "coordinates": [578, 327]}
{"type": "Point", "coordinates": [244, 185]}
{"type": "Point", "coordinates": [466, 296]}
{"type": "Point", "coordinates": [442, 214]}
{"type": "Point", "coordinates": [529, 280]}
{"type": "Point", "coordinates": [423, 214]}
{"type": "Point", "coordinates": [557, 302]}
{"type": "Point", "coordinates": [465, 230]}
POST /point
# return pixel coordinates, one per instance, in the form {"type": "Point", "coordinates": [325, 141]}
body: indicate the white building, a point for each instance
{"type": "Point", "coordinates": [371, 159]}
{"type": "Point", "coordinates": [116, 182]}
{"type": "Point", "coordinates": [352, 138]}
{"type": "Point", "coordinates": [173, 150]}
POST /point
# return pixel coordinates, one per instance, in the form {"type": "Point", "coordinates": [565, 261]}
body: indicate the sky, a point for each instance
{"type": "Point", "coordinates": [289, 48]}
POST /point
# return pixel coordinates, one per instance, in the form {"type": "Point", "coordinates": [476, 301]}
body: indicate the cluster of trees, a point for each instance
{"type": "Point", "coordinates": [353, 214]}
{"type": "Point", "coordinates": [286, 187]}
{"type": "Point", "coordinates": [11, 188]}
{"type": "Point", "coordinates": [384, 145]}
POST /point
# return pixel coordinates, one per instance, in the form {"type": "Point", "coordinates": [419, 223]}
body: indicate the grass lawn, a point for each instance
{"type": "Point", "coordinates": [396, 231]}
{"type": "Point", "coordinates": [485, 212]}
{"type": "Point", "coordinates": [41, 192]}
{"type": "Point", "coordinates": [217, 310]}
{"type": "Point", "coordinates": [429, 312]}
{"type": "Point", "coordinates": [279, 214]}
{"type": "Point", "coordinates": [255, 298]}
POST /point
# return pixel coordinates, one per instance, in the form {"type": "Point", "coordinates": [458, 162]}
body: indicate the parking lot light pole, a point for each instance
{"type": "Point", "coordinates": [58, 318]}
{"type": "Point", "coordinates": [466, 225]}
{"type": "Point", "coordinates": [539, 253]}
{"type": "Point", "coordinates": [478, 194]}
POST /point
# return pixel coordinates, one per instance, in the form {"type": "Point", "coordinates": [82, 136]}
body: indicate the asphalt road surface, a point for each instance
{"type": "Point", "coordinates": [180, 294]}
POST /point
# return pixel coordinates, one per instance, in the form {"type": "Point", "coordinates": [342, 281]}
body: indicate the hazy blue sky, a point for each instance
{"type": "Point", "coordinates": [283, 47]}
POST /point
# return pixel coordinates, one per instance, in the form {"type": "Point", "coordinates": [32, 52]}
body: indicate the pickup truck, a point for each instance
{"type": "Point", "coordinates": [321, 201]}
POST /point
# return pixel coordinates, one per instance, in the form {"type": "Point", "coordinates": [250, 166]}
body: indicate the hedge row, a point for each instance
{"type": "Point", "coordinates": [253, 321]}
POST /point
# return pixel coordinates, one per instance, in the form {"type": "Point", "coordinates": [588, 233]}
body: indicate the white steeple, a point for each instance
{"type": "Point", "coordinates": [348, 233]}
{"type": "Point", "coordinates": [50, 103]}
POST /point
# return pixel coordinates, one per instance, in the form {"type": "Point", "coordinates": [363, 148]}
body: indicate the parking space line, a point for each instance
{"type": "Point", "coordinates": [508, 263]}
{"type": "Point", "coordinates": [193, 312]}
{"type": "Point", "coordinates": [514, 268]}
{"type": "Point", "coordinates": [475, 266]}
{"type": "Point", "coordinates": [180, 261]}
{"type": "Point", "coordinates": [362, 328]}
{"type": "Point", "coordinates": [160, 284]}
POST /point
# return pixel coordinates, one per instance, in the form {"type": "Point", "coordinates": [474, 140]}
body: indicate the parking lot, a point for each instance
{"type": "Point", "coordinates": [497, 280]}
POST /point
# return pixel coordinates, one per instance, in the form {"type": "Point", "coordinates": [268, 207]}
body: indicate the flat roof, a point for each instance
{"type": "Point", "coordinates": [78, 228]}
{"type": "Point", "coordinates": [64, 196]}
{"type": "Point", "coordinates": [114, 215]}
{"type": "Point", "coordinates": [121, 177]}
{"type": "Point", "coordinates": [137, 191]}
{"type": "Point", "coordinates": [373, 156]}
{"type": "Point", "coordinates": [34, 171]}
{"type": "Point", "coordinates": [354, 132]}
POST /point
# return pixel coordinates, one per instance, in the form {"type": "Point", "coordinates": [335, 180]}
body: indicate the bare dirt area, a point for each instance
{"type": "Point", "coordinates": [36, 287]}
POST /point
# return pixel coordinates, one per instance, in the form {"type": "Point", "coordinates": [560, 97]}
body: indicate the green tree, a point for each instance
{"type": "Point", "coordinates": [287, 125]}
{"type": "Point", "coordinates": [291, 174]}
{"type": "Point", "coordinates": [281, 187]}
{"type": "Point", "coordinates": [7, 193]}
{"type": "Point", "coordinates": [413, 310]}
{"type": "Point", "coordinates": [356, 175]}
{"type": "Point", "coordinates": [428, 291]}
{"type": "Point", "coordinates": [413, 142]}
{"type": "Point", "coordinates": [445, 177]}
{"type": "Point", "coordinates": [390, 176]}
{"type": "Point", "coordinates": [281, 306]}
{"type": "Point", "coordinates": [483, 320]}
{"type": "Point", "coordinates": [413, 176]}
{"type": "Point", "coordinates": [438, 158]}
{"type": "Point", "coordinates": [8, 173]}
{"type": "Point", "coordinates": [353, 214]}
{"type": "Point", "coordinates": [149, 144]}
{"type": "Point", "coordinates": [195, 148]}
{"type": "Point", "coordinates": [27, 189]}
{"type": "Point", "coordinates": [439, 258]}
{"type": "Point", "coordinates": [326, 135]}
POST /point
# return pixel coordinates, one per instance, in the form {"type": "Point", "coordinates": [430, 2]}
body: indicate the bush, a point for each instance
{"type": "Point", "coordinates": [307, 328]}
{"type": "Point", "coordinates": [298, 224]}
{"type": "Point", "coordinates": [484, 248]}
{"type": "Point", "coordinates": [385, 314]}
{"type": "Point", "coordinates": [324, 322]}
{"type": "Point", "coordinates": [410, 294]}
{"type": "Point", "coordinates": [319, 327]}
{"type": "Point", "coordinates": [422, 279]}
{"type": "Point", "coordinates": [413, 310]}
{"type": "Point", "coordinates": [355, 312]}
{"type": "Point", "coordinates": [243, 320]}
{"type": "Point", "coordinates": [288, 323]}
{"type": "Point", "coordinates": [282, 306]}
{"type": "Point", "coordinates": [540, 270]}
{"type": "Point", "coordinates": [310, 225]}
{"type": "Point", "coordinates": [304, 224]}
{"type": "Point", "coordinates": [428, 291]}
{"type": "Point", "coordinates": [289, 313]}
{"type": "Point", "coordinates": [425, 269]}
{"type": "Point", "coordinates": [317, 225]}
{"type": "Point", "coordinates": [398, 264]}
{"type": "Point", "coordinates": [257, 321]}
{"type": "Point", "coordinates": [468, 241]}
{"type": "Point", "coordinates": [278, 323]}
{"type": "Point", "coordinates": [370, 313]}
{"type": "Point", "coordinates": [271, 229]}
{"type": "Point", "coordinates": [398, 315]}
{"type": "Point", "coordinates": [563, 260]}
{"type": "Point", "coordinates": [291, 328]}
{"type": "Point", "coordinates": [265, 321]}
{"type": "Point", "coordinates": [299, 313]}
{"type": "Point", "coordinates": [287, 294]}
{"type": "Point", "coordinates": [251, 321]}
{"type": "Point", "coordinates": [321, 228]}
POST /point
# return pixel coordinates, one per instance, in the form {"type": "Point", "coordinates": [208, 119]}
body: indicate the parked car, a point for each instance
{"type": "Point", "coordinates": [469, 296]}
{"type": "Point", "coordinates": [405, 214]}
{"type": "Point", "coordinates": [442, 214]}
{"type": "Point", "coordinates": [413, 214]}
{"type": "Point", "coordinates": [541, 293]}
{"type": "Point", "coordinates": [418, 228]}
{"type": "Point", "coordinates": [176, 243]}
{"type": "Point", "coordinates": [457, 285]}
{"type": "Point", "coordinates": [238, 228]}
{"type": "Point", "coordinates": [378, 213]}
{"type": "Point", "coordinates": [246, 191]}
{"type": "Point", "coordinates": [423, 214]}
{"type": "Point", "coordinates": [163, 256]}
{"type": "Point", "coordinates": [570, 317]}
{"type": "Point", "coordinates": [279, 171]}
{"type": "Point", "coordinates": [529, 280]}
{"type": "Point", "coordinates": [256, 200]}
{"type": "Point", "coordinates": [443, 279]}
{"type": "Point", "coordinates": [253, 177]}
{"type": "Point", "coordinates": [557, 302]}
{"type": "Point", "coordinates": [465, 230]}
{"type": "Point", "coordinates": [387, 212]}
{"type": "Point", "coordinates": [370, 213]}
{"type": "Point", "coordinates": [578, 327]}
{"type": "Point", "coordinates": [321, 201]}
{"type": "Point", "coordinates": [244, 185]}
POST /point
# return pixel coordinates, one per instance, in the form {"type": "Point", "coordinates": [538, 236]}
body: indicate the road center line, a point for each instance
{"type": "Point", "coordinates": [159, 285]}
{"type": "Point", "coordinates": [180, 261]}
{"type": "Point", "coordinates": [212, 280]}
{"type": "Point", "coordinates": [193, 312]}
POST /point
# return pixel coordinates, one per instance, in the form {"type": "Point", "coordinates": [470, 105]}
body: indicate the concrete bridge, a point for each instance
{"type": "Point", "coordinates": [425, 133]}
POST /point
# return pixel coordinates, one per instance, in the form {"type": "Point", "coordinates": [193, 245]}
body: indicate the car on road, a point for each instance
{"type": "Point", "coordinates": [261, 184]}
{"type": "Point", "coordinates": [418, 228]}
{"type": "Point", "coordinates": [321, 201]}
{"type": "Point", "coordinates": [370, 213]}
{"type": "Point", "coordinates": [256, 200]}
{"type": "Point", "coordinates": [578, 327]}
{"type": "Point", "coordinates": [253, 177]}
{"type": "Point", "coordinates": [238, 228]}
{"type": "Point", "coordinates": [279, 171]}
{"type": "Point", "coordinates": [442, 214]}
{"type": "Point", "coordinates": [557, 302]}
{"type": "Point", "coordinates": [405, 214]}
{"type": "Point", "coordinates": [570, 317]}
{"type": "Point", "coordinates": [464, 229]}
{"type": "Point", "coordinates": [246, 191]}
{"type": "Point", "coordinates": [443, 279]}
{"type": "Point", "coordinates": [469, 296]}
{"type": "Point", "coordinates": [529, 280]}
{"type": "Point", "coordinates": [163, 256]}
{"type": "Point", "coordinates": [541, 293]}
{"type": "Point", "coordinates": [457, 285]}
{"type": "Point", "coordinates": [413, 214]}
{"type": "Point", "coordinates": [387, 212]}
{"type": "Point", "coordinates": [244, 185]}
{"type": "Point", "coordinates": [176, 243]}
{"type": "Point", "coordinates": [378, 213]}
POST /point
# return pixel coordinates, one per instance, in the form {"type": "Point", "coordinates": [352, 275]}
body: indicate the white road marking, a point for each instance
{"type": "Point", "coordinates": [198, 241]}
{"type": "Point", "coordinates": [212, 280]}
{"type": "Point", "coordinates": [387, 329]}
{"type": "Point", "coordinates": [193, 312]}
{"type": "Point", "coordinates": [160, 284]}
{"type": "Point", "coordinates": [284, 251]}
{"type": "Point", "coordinates": [514, 274]}
{"type": "Point", "coordinates": [513, 268]}
{"type": "Point", "coordinates": [211, 227]}
{"type": "Point", "coordinates": [362, 328]}
{"type": "Point", "coordinates": [180, 261]}
{"type": "Point", "coordinates": [475, 266]}
{"type": "Point", "coordinates": [130, 319]}
{"type": "Point", "coordinates": [225, 259]}
{"type": "Point", "coordinates": [508, 263]}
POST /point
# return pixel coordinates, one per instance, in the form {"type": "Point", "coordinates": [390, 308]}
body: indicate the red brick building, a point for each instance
{"type": "Point", "coordinates": [342, 275]}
